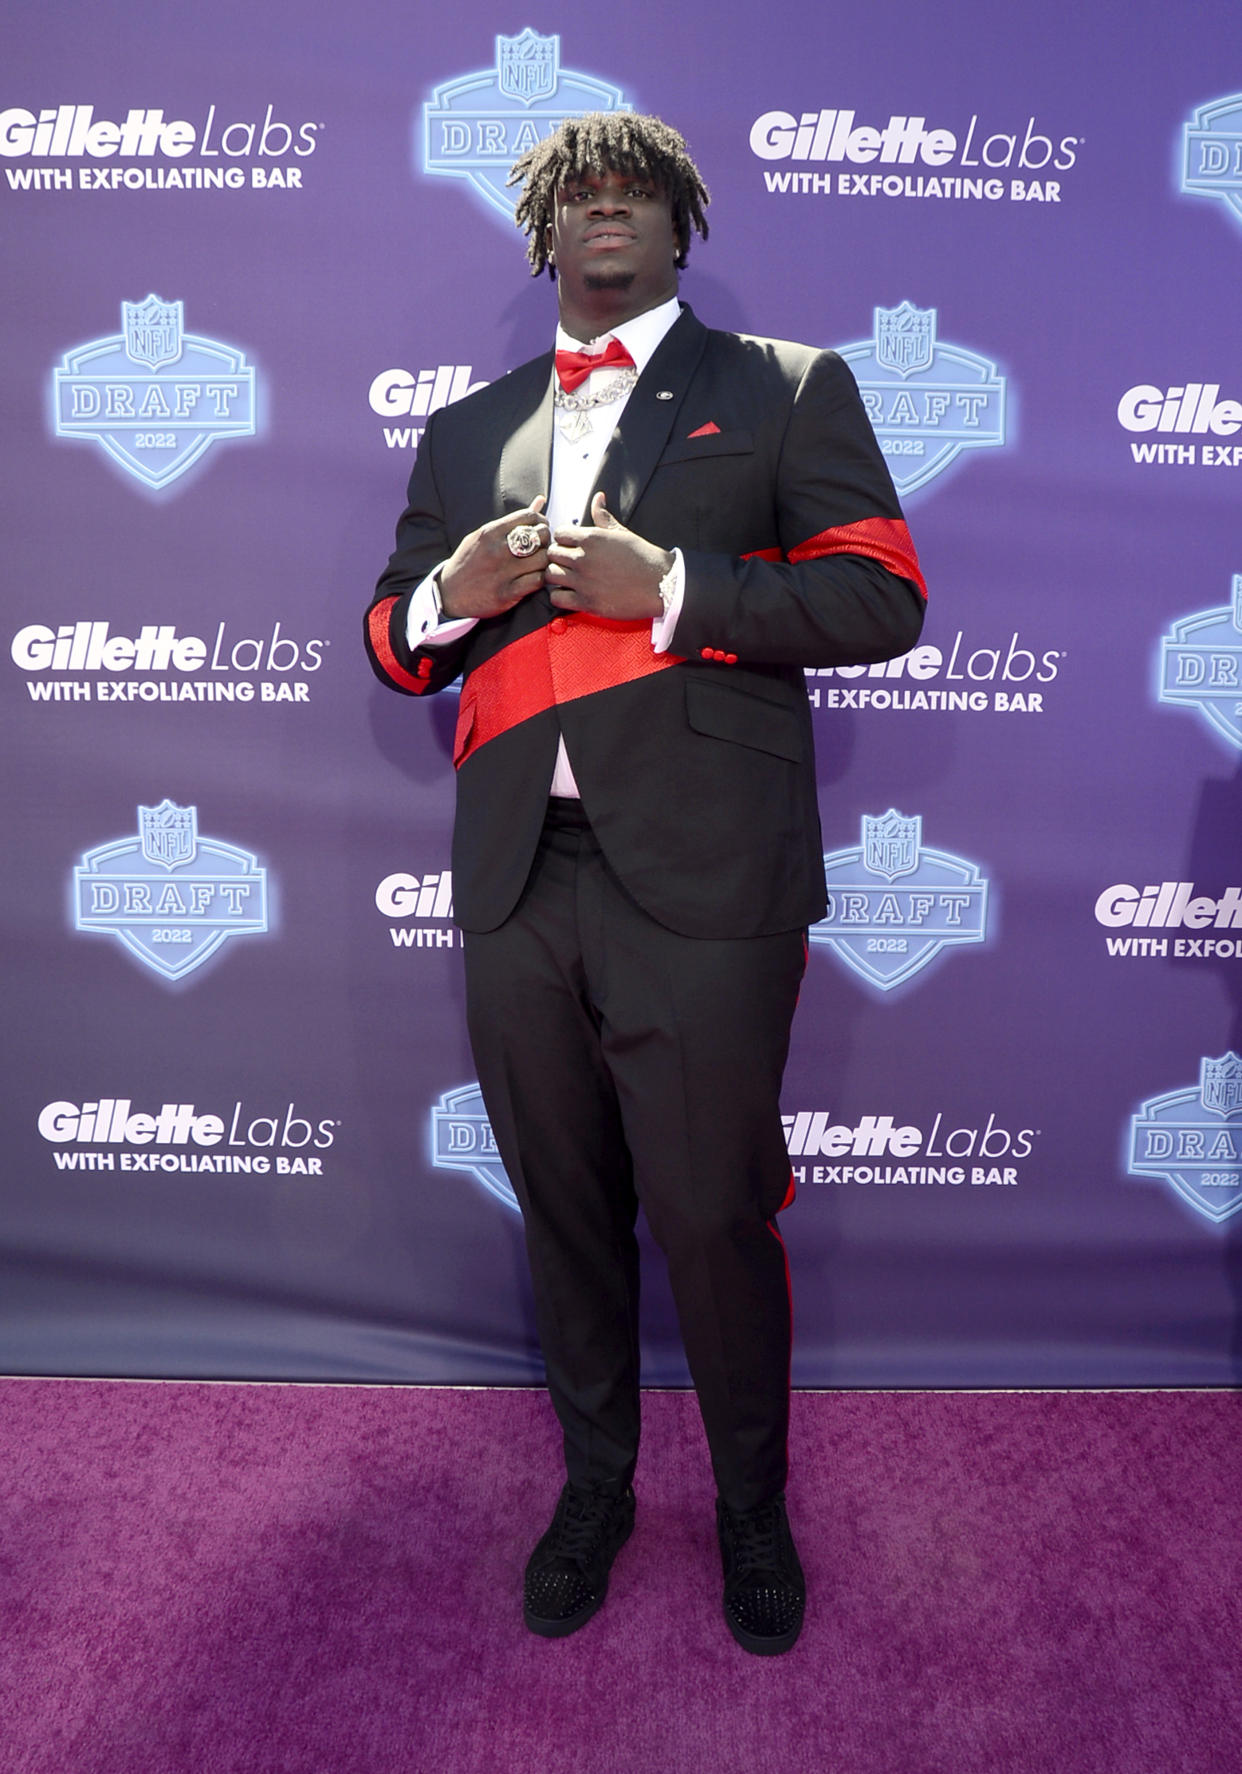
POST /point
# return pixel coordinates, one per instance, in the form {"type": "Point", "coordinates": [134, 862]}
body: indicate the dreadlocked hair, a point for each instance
{"type": "Point", "coordinates": [601, 142]}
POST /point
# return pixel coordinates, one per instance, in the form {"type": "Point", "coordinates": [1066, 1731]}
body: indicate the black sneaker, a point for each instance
{"type": "Point", "coordinates": [764, 1589]}
{"type": "Point", "coordinates": [567, 1573]}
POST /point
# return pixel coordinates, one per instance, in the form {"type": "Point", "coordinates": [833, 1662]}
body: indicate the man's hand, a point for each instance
{"type": "Point", "coordinates": [483, 577]}
{"type": "Point", "coordinates": [606, 570]}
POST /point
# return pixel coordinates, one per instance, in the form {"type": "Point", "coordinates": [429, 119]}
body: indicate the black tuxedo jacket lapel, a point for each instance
{"type": "Point", "coordinates": [643, 432]}
{"type": "Point", "coordinates": [526, 455]}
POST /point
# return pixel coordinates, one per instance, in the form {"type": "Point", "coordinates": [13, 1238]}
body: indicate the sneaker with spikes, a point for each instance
{"type": "Point", "coordinates": [764, 1588]}
{"type": "Point", "coordinates": [567, 1573]}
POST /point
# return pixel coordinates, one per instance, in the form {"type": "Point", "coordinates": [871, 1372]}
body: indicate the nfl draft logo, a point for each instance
{"type": "Point", "coordinates": [891, 843]}
{"type": "Point", "coordinates": [1212, 153]}
{"type": "Point", "coordinates": [153, 331]}
{"type": "Point", "coordinates": [905, 338]}
{"type": "Point", "coordinates": [462, 1139]}
{"type": "Point", "coordinates": [170, 897]}
{"type": "Point", "coordinates": [169, 833]}
{"type": "Point", "coordinates": [153, 396]}
{"type": "Point", "coordinates": [894, 904]}
{"type": "Point", "coordinates": [1192, 1140]}
{"type": "Point", "coordinates": [927, 402]}
{"type": "Point", "coordinates": [1200, 666]}
{"type": "Point", "coordinates": [526, 66]}
{"type": "Point", "coordinates": [476, 126]}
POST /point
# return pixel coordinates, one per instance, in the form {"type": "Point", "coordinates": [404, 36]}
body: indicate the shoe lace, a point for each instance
{"type": "Point", "coordinates": [755, 1539]}
{"type": "Point", "coordinates": [582, 1525]}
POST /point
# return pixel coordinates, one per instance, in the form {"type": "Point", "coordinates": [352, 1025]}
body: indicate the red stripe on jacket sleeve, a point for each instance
{"type": "Point", "coordinates": [883, 539]}
{"type": "Point", "coordinates": [377, 627]}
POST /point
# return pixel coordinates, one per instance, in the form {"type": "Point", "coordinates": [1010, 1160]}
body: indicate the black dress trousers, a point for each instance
{"type": "Point", "coordinates": [622, 1063]}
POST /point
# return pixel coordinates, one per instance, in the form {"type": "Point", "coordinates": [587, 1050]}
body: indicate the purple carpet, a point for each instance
{"type": "Point", "coordinates": [234, 1579]}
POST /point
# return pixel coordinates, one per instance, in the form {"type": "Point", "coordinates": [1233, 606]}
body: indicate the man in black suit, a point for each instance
{"type": "Point", "coordinates": [630, 558]}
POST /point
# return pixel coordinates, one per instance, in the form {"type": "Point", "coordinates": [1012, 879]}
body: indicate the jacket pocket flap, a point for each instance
{"type": "Point", "coordinates": [724, 712]}
{"type": "Point", "coordinates": [713, 443]}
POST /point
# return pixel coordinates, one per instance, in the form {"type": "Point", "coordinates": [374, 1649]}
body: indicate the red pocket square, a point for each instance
{"type": "Point", "coordinates": [708, 430]}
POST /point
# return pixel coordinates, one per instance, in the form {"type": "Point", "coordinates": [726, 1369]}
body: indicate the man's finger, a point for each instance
{"type": "Point", "coordinates": [529, 580]}
{"type": "Point", "coordinates": [604, 520]}
{"type": "Point", "coordinates": [522, 533]}
{"type": "Point", "coordinates": [529, 515]}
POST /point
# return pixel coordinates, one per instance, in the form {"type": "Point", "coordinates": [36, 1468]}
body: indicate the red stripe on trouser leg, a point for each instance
{"type": "Point", "coordinates": [771, 1224]}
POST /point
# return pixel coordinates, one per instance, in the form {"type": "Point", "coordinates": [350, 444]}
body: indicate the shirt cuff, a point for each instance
{"type": "Point", "coordinates": [663, 626]}
{"type": "Point", "coordinates": [426, 625]}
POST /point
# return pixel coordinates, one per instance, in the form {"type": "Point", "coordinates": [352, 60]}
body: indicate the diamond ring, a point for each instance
{"type": "Point", "coordinates": [523, 540]}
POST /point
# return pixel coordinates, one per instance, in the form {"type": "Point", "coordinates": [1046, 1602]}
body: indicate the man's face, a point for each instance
{"type": "Point", "coordinates": [615, 233]}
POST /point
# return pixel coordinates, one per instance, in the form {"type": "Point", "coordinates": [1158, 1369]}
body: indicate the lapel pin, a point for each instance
{"type": "Point", "coordinates": [664, 394]}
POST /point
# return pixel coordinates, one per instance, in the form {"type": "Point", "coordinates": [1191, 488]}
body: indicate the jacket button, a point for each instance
{"type": "Point", "coordinates": [558, 625]}
{"type": "Point", "coordinates": [730, 658]}
{"type": "Point", "coordinates": [706, 653]}
{"type": "Point", "coordinates": [719, 655]}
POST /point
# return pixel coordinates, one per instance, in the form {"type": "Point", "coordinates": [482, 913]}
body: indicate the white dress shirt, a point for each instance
{"type": "Point", "coordinates": [575, 468]}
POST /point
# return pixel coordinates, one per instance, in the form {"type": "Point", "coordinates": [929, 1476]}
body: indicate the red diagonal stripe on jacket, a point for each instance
{"type": "Point", "coordinates": [883, 539]}
{"type": "Point", "coordinates": [571, 657]}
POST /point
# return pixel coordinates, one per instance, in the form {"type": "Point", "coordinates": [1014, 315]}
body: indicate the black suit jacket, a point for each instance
{"type": "Point", "coordinates": [754, 457]}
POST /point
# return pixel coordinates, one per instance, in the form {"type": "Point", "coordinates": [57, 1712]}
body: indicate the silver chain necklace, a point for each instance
{"type": "Point", "coordinates": [572, 409]}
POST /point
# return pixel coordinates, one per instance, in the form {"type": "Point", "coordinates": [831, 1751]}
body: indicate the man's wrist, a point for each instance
{"type": "Point", "coordinates": [443, 602]}
{"type": "Point", "coordinates": [442, 605]}
{"type": "Point", "coordinates": [428, 623]}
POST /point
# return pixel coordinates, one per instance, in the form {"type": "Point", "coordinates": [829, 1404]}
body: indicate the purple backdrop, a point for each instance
{"type": "Point", "coordinates": [249, 248]}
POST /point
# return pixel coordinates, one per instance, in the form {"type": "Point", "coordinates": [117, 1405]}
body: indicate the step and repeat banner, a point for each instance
{"type": "Point", "coordinates": [250, 249]}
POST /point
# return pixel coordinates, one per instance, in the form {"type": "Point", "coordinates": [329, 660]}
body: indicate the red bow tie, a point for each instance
{"type": "Point", "coordinates": [575, 366]}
